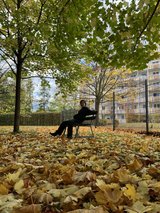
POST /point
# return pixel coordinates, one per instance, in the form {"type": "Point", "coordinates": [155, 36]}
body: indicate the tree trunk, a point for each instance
{"type": "Point", "coordinates": [17, 99]}
{"type": "Point", "coordinates": [97, 104]}
{"type": "Point", "coordinates": [18, 75]}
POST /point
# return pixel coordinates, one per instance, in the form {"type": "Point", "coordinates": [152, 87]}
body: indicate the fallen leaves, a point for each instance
{"type": "Point", "coordinates": [114, 172]}
{"type": "Point", "coordinates": [9, 202]}
{"type": "Point", "coordinates": [130, 192]}
{"type": "Point", "coordinates": [3, 189]}
{"type": "Point", "coordinates": [34, 208]}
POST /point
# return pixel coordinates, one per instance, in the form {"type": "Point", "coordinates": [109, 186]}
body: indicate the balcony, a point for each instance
{"type": "Point", "coordinates": [120, 111]}
{"type": "Point", "coordinates": [154, 87]}
{"type": "Point", "coordinates": [154, 99]}
{"type": "Point", "coordinates": [154, 77]}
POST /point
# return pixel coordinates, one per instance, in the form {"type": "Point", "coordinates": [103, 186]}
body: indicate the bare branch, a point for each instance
{"type": "Point", "coordinates": [112, 87]}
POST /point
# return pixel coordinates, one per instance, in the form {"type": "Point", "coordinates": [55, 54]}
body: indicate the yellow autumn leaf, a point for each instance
{"type": "Point", "coordinates": [8, 202]}
{"type": "Point", "coordinates": [135, 165]}
{"type": "Point", "coordinates": [82, 192]}
{"type": "Point", "coordinates": [70, 190]}
{"type": "Point", "coordinates": [82, 154]}
{"type": "Point", "coordinates": [60, 193]}
{"type": "Point", "coordinates": [83, 176]}
{"type": "Point", "coordinates": [113, 193]}
{"type": "Point", "coordinates": [122, 175]}
{"type": "Point", "coordinates": [57, 193]}
{"type": "Point", "coordinates": [142, 190]}
{"type": "Point", "coordinates": [45, 198]}
{"type": "Point", "coordinates": [70, 199]}
{"type": "Point", "coordinates": [14, 177]}
{"type": "Point", "coordinates": [70, 156]}
{"type": "Point", "coordinates": [155, 185]}
{"type": "Point", "coordinates": [101, 198]}
{"type": "Point", "coordinates": [18, 187]}
{"type": "Point", "coordinates": [3, 189]}
{"type": "Point", "coordinates": [101, 184]}
{"type": "Point", "coordinates": [34, 208]}
{"type": "Point", "coordinates": [98, 209]}
{"type": "Point", "coordinates": [138, 207]}
{"type": "Point", "coordinates": [130, 192]}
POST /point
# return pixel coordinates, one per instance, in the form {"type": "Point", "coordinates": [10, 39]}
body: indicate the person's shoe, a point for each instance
{"type": "Point", "coordinates": [69, 137]}
{"type": "Point", "coordinates": [53, 134]}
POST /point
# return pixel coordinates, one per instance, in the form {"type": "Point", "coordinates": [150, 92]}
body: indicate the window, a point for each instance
{"type": "Point", "coordinates": [133, 75]}
{"type": "Point", "coordinates": [156, 94]}
{"type": "Point", "coordinates": [143, 74]}
{"type": "Point", "coordinates": [156, 105]}
{"type": "Point", "coordinates": [155, 62]}
{"type": "Point", "coordinates": [155, 73]}
{"type": "Point", "coordinates": [156, 83]}
{"type": "Point", "coordinates": [120, 107]}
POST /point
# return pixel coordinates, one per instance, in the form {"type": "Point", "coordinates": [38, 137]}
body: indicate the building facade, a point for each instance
{"type": "Point", "coordinates": [130, 98]}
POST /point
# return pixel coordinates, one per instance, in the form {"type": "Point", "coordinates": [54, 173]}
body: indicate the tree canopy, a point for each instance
{"type": "Point", "coordinates": [125, 33]}
{"type": "Point", "coordinates": [42, 36]}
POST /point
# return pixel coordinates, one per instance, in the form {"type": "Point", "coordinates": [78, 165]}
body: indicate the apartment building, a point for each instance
{"type": "Point", "coordinates": [130, 105]}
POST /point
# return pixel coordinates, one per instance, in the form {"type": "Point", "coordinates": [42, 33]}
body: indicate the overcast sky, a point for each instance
{"type": "Point", "coordinates": [36, 92]}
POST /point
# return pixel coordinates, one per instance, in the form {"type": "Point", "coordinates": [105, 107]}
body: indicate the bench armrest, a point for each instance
{"type": "Point", "coordinates": [90, 117]}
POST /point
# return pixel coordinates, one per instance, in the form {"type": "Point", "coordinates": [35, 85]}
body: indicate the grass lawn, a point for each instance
{"type": "Point", "coordinates": [113, 172]}
{"type": "Point", "coordinates": [152, 126]}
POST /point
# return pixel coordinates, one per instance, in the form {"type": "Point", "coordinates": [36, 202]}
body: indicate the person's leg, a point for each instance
{"type": "Point", "coordinates": [63, 125]}
{"type": "Point", "coordinates": [70, 131]}
{"type": "Point", "coordinates": [70, 124]}
{"type": "Point", "coordinates": [60, 129]}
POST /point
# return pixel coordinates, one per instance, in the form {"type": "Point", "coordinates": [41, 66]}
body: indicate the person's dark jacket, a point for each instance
{"type": "Point", "coordinates": [82, 113]}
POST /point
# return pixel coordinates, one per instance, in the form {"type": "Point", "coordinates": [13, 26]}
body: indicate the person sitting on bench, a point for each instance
{"type": "Point", "coordinates": [77, 119]}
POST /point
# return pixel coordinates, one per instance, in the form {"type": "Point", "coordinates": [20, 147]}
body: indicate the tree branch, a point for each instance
{"type": "Point", "coordinates": [61, 11]}
{"type": "Point", "coordinates": [37, 23]}
{"type": "Point", "coordinates": [7, 62]}
{"type": "Point", "coordinates": [38, 76]}
{"type": "Point", "coordinates": [2, 33]}
{"type": "Point", "coordinates": [6, 6]}
{"type": "Point", "coordinates": [150, 18]}
{"type": "Point", "coordinates": [3, 74]}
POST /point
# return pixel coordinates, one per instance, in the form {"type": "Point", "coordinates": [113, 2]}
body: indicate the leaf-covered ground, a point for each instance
{"type": "Point", "coordinates": [114, 172]}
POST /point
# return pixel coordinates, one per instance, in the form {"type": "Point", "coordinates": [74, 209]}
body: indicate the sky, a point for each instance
{"type": "Point", "coordinates": [36, 92]}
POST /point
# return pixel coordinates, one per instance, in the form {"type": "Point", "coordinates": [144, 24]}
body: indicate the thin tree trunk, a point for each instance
{"type": "Point", "coordinates": [97, 104]}
{"type": "Point", "coordinates": [17, 99]}
{"type": "Point", "coordinates": [18, 75]}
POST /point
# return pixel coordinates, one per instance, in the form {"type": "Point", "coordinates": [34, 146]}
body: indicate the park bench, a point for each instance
{"type": "Point", "coordinates": [89, 122]}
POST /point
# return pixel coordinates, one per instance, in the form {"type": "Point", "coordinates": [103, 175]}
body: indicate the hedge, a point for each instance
{"type": "Point", "coordinates": [33, 119]}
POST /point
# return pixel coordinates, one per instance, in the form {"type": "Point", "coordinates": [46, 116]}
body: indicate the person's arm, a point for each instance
{"type": "Point", "coordinates": [84, 112]}
{"type": "Point", "coordinates": [90, 112]}
{"type": "Point", "coordinates": [93, 112]}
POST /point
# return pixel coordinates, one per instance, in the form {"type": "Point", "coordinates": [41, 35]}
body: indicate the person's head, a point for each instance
{"type": "Point", "coordinates": [83, 103]}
